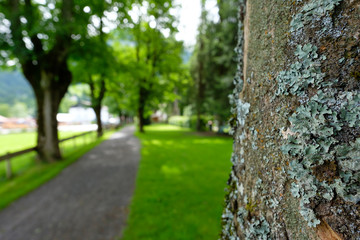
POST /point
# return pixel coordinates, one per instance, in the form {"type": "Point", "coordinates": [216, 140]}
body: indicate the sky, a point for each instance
{"type": "Point", "coordinates": [189, 16]}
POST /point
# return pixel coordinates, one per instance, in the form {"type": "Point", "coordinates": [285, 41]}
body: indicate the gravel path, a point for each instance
{"type": "Point", "coordinates": [86, 201]}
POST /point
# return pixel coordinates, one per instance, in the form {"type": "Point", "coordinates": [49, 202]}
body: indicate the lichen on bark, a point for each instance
{"type": "Point", "coordinates": [296, 122]}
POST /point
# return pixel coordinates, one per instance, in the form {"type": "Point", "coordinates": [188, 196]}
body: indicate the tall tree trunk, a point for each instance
{"type": "Point", "coordinates": [97, 110]}
{"type": "Point", "coordinates": [141, 108]}
{"type": "Point", "coordinates": [96, 102]}
{"type": "Point", "coordinates": [141, 118]}
{"type": "Point", "coordinates": [296, 123]}
{"type": "Point", "coordinates": [48, 93]}
{"type": "Point", "coordinates": [200, 95]}
{"type": "Point", "coordinates": [175, 107]}
{"type": "Point", "coordinates": [48, 142]}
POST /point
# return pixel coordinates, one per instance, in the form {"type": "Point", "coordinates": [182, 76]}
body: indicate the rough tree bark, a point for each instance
{"type": "Point", "coordinates": [296, 122]}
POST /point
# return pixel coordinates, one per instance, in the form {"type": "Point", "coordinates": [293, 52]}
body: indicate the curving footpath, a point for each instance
{"type": "Point", "coordinates": [87, 201]}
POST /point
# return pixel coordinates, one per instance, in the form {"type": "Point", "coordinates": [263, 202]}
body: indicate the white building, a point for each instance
{"type": "Point", "coordinates": [79, 114]}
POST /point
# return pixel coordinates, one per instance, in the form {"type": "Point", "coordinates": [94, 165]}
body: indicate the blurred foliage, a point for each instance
{"type": "Point", "coordinates": [190, 121]}
{"type": "Point", "coordinates": [150, 70]}
{"type": "Point", "coordinates": [78, 93]}
{"type": "Point", "coordinates": [214, 59]}
{"type": "Point", "coordinates": [138, 59]}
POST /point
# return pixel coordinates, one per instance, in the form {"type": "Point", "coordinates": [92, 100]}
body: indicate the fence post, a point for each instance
{"type": "Point", "coordinates": [8, 168]}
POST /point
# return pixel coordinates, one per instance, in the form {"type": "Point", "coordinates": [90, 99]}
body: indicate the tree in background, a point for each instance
{"type": "Point", "coordinates": [199, 67]}
{"type": "Point", "coordinates": [41, 45]}
{"type": "Point", "coordinates": [212, 64]}
{"type": "Point", "coordinates": [41, 37]}
{"type": "Point", "coordinates": [156, 56]}
{"type": "Point", "coordinates": [296, 123]}
{"type": "Point", "coordinates": [95, 64]}
{"type": "Point", "coordinates": [123, 89]}
{"type": "Point", "coordinates": [221, 66]}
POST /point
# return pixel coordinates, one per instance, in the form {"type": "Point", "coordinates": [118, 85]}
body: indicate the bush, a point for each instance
{"type": "Point", "coordinates": [190, 122]}
{"type": "Point", "coordinates": [181, 121]}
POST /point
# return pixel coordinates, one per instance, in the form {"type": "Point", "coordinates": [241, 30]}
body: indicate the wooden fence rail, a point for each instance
{"type": "Point", "coordinates": [8, 156]}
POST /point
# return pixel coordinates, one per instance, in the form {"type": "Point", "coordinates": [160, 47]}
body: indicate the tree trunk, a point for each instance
{"type": "Point", "coordinates": [96, 102]}
{"type": "Point", "coordinates": [141, 108]}
{"type": "Point", "coordinates": [97, 110]}
{"type": "Point", "coordinates": [175, 107]}
{"type": "Point", "coordinates": [48, 93]}
{"type": "Point", "coordinates": [201, 84]}
{"type": "Point", "coordinates": [296, 122]}
{"type": "Point", "coordinates": [141, 119]}
{"type": "Point", "coordinates": [200, 96]}
{"type": "Point", "coordinates": [47, 142]}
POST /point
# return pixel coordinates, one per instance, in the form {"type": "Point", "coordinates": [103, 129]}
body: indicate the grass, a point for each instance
{"type": "Point", "coordinates": [31, 174]}
{"type": "Point", "coordinates": [19, 141]}
{"type": "Point", "coordinates": [180, 185]}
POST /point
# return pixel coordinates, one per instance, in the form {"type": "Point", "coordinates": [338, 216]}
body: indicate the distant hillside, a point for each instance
{"type": "Point", "coordinates": [15, 89]}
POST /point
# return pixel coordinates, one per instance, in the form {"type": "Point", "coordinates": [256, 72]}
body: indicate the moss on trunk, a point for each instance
{"type": "Point", "coordinates": [296, 122]}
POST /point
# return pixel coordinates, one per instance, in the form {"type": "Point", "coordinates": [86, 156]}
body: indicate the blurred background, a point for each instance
{"type": "Point", "coordinates": [152, 61]}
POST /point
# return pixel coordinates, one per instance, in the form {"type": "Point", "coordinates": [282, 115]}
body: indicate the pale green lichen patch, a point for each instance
{"type": "Point", "coordinates": [302, 74]}
{"type": "Point", "coordinates": [255, 227]}
{"type": "Point", "coordinates": [324, 128]}
{"type": "Point", "coordinates": [241, 109]}
{"type": "Point", "coordinates": [311, 10]}
{"type": "Point", "coordinates": [315, 126]}
{"type": "Point", "coordinates": [258, 229]}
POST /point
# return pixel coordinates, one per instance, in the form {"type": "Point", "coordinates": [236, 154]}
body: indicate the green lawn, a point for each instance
{"type": "Point", "coordinates": [180, 186]}
{"type": "Point", "coordinates": [29, 173]}
{"type": "Point", "coordinates": [20, 141]}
